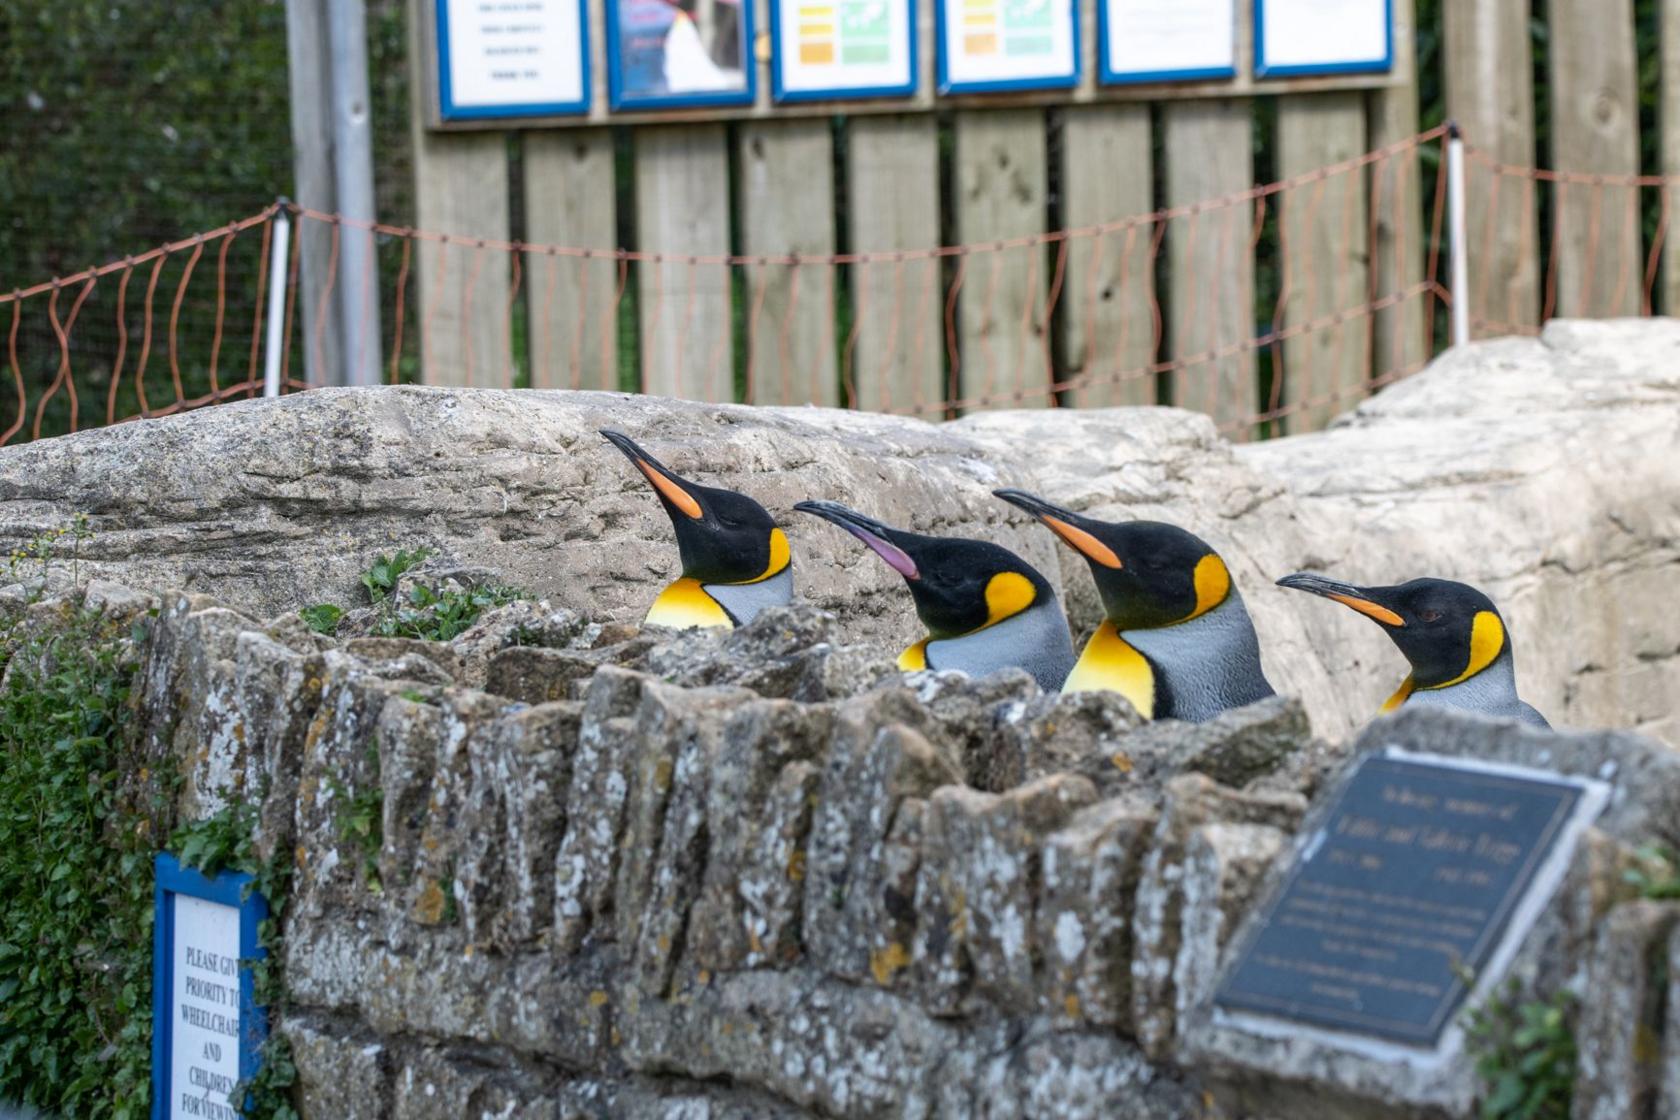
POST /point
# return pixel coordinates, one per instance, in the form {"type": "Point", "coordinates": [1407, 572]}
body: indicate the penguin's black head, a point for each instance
{"type": "Point", "coordinates": [1149, 574]}
{"type": "Point", "coordinates": [1448, 631]}
{"type": "Point", "coordinates": [959, 585]}
{"type": "Point", "coordinates": [723, 537]}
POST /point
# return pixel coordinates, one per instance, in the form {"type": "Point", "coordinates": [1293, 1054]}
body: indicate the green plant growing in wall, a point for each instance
{"type": "Point", "coordinates": [429, 612]}
{"type": "Point", "coordinates": [363, 821]}
{"type": "Point", "coordinates": [1525, 1056]}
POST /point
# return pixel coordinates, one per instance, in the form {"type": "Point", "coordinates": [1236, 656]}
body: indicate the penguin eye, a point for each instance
{"type": "Point", "coordinates": [1429, 614]}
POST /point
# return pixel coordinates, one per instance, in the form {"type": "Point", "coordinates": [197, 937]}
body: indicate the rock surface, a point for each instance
{"type": "Point", "coordinates": [1545, 470]}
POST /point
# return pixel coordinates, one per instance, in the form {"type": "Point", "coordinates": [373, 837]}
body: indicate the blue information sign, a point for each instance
{"type": "Point", "coordinates": [206, 1027]}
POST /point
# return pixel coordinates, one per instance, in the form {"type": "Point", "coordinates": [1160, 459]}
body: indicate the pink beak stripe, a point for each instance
{"type": "Point", "coordinates": [897, 559]}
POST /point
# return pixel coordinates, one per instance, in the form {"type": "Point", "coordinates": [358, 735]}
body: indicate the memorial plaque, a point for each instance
{"type": "Point", "coordinates": [206, 1029]}
{"type": "Point", "coordinates": [1399, 900]}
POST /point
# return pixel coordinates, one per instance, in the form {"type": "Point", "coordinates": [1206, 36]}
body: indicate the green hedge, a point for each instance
{"type": "Point", "coordinates": [79, 819]}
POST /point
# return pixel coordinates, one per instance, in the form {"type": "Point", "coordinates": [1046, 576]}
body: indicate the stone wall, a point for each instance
{"type": "Point", "coordinates": [627, 874]}
{"type": "Point", "coordinates": [1545, 470]}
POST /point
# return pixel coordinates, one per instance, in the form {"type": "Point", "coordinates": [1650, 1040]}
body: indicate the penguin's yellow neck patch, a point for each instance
{"type": "Point", "coordinates": [685, 606]}
{"type": "Point", "coordinates": [1007, 595]}
{"type": "Point", "coordinates": [1213, 584]}
{"type": "Point", "coordinates": [1487, 639]}
{"type": "Point", "coordinates": [1111, 663]}
{"type": "Point", "coordinates": [780, 557]}
{"type": "Point", "coordinates": [914, 658]}
{"type": "Point", "coordinates": [1406, 688]}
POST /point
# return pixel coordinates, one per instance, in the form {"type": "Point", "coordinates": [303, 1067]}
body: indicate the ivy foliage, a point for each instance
{"type": "Point", "coordinates": [429, 611]}
{"type": "Point", "coordinates": [75, 873]}
{"type": "Point", "coordinates": [1525, 1056]}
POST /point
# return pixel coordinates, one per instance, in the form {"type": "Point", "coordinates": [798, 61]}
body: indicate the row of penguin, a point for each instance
{"type": "Point", "coordinates": [1175, 639]}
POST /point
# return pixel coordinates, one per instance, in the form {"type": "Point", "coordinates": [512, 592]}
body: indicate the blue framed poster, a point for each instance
{"type": "Point", "coordinates": [1142, 41]}
{"type": "Point", "coordinates": [512, 58]}
{"type": "Point", "coordinates": [991, 45]}
{"type": "Point", "coordinates": [824, 50]}
{"type": "Point", "coordinates": [206, 1027]}
{"type": "Point", "coordinates": [670, 54]}
{"type": "Point", "coordinates": [1293, 38]}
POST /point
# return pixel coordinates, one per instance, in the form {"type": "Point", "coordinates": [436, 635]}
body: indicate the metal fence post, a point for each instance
{"type": "Point", "coordinates": [352, 158]}
{"type": "Point", "coordinates": [1456, 235]}
{"type": "Point", "coordinates": [277, 266]}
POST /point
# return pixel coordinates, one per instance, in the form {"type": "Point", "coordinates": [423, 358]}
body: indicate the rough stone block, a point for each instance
{"type": "Point", "coordinates": [1619, 1034]}
{"type": "Point", "coordinates": [338, 1074]}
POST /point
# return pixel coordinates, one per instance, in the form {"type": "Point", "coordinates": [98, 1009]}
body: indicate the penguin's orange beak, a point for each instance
{"type": "Point", "coordinates": [1065, 524]}
{"type": "Point", "coordinates": [671, 487]}
{"type": "Point", "coordinates": [1359, 598]}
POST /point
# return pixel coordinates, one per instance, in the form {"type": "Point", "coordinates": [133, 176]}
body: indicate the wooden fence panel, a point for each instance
{"type": "Point", "coordinates": [1399, 333]}
{"type": "Point", "coordinates": [1595, 131]}
{"type": "Point", "coordinates": [787, 207]}
{"type": "Point", "coordinates": [682, 209]}
{"type": "Point", "coordinates": [1108, 314]}
{"type": "Point", "coordinates": [1212, 268]}
{"type": "Point", "coordinates": [461, 184]}
{"type": "Point", "coordinates": [1323, 255]}
{"type": "Point", "coordinates": [1002, 179]}
{"type": "Point", "coordinates": [1488, 63]}
{"type": "Point", "coordinates": [894, 349]}
{"type": "Point", "coordinates": [570, 201]}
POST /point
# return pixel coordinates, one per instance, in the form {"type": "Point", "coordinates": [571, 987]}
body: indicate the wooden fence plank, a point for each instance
{"type": "Point", "coordinates": [1324, 262]}
{"type": "Point", "coordinates": [1399, 339]}
{"type": "Point", "coordinates": [1001, 185]}
{"type": "Point", "coordinates": [1488, 63]}
{"type": "Point", "coordinates": [1595, 130]}
{"type": "Point", "coordinates": [1211, 313]}
{"type": "Point", "coordinates": [570, 202]}
{"type": "Point", "coordinates": [460, 184]}
{"type": "Point", "coordinates": [1668, 120]}
{"type": "Point", "coordinates": [1108, 292]}
{"type": "Point", "coordinates": [682, 209]}
{"type": "Point", "coordinates": [894, 348]}
{"type": "Point", "coordinates": [786, 192]}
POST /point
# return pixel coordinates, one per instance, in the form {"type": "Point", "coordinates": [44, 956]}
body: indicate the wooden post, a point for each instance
{"type": "Point", "coordinates": [1324, 257]}
{"type": "Point", "coordinates": [1001, 184]}
{"type": "Point", "coordinates": [460, 189]}
{"type": "Point", "coordinates": [1400, 340]}
{"type": "Point", "coordinates": [893, 352]}
{"type": "Point", "coordinates": [1108, 291]}
{"type": "Point", "coordinates": [1490, 94]}
{"type": "Point", "coordinates": [1211, 311]}
{"type": "Point", "coordinates": [1595, 131]}
{"type": "Point", "coordinates": [682, 210]}
{"type": "Point", "coordinates": [786, 194]}
{"type": "Point", "coordinates": [570, 202]}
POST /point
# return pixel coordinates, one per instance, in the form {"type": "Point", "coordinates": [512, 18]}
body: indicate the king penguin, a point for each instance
{"type": "Point", "coordinates": [985, 608]}
{"type": "Point", "coordinates": [1175, 638]}
{"type": "Point", "coordinates": [1453, 636]}
{"type": "Point", "coordinates": [735, 561]}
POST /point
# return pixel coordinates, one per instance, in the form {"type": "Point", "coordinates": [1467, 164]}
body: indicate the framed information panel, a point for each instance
{"type": "Point", "coordinates": [827, 49]}
{"type": "Point", "coordinates": [207, 1030]}
{"type": "Point", "coordinates": [990, 45]}
{"type": "Point", "coordinates": [1293, 38]}
{"type": "Point", "coordinates": [676, 53]}
{"type": "Point", "coordinates": [1166, 40]}
{"type": "Point", "coordinates": [512, 58]}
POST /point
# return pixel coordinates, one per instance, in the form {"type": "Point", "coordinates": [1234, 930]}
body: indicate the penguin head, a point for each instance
{"type": "Point", "coordinates": [722, 536]}
{"type": "Point", "coordinates": [1448, 631]}
{"type": "Point", "coordinates": [1148, 573]}
{"type": "Point", "coordinates": [959, 586]}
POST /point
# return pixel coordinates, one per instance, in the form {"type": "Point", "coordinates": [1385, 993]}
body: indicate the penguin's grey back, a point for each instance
{"type": "Point", "coordinates": [743, 601]}
{"type": "Point", "coordinates": [1207, 665]}
{"type": "Point", "coordinates": [1036, 640]}
{"type": "Point", "coordinates": [1491, 692]}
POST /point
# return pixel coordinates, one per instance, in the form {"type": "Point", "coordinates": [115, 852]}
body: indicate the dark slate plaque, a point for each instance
{"type": "Point", "coordinates": [1402, 894]}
